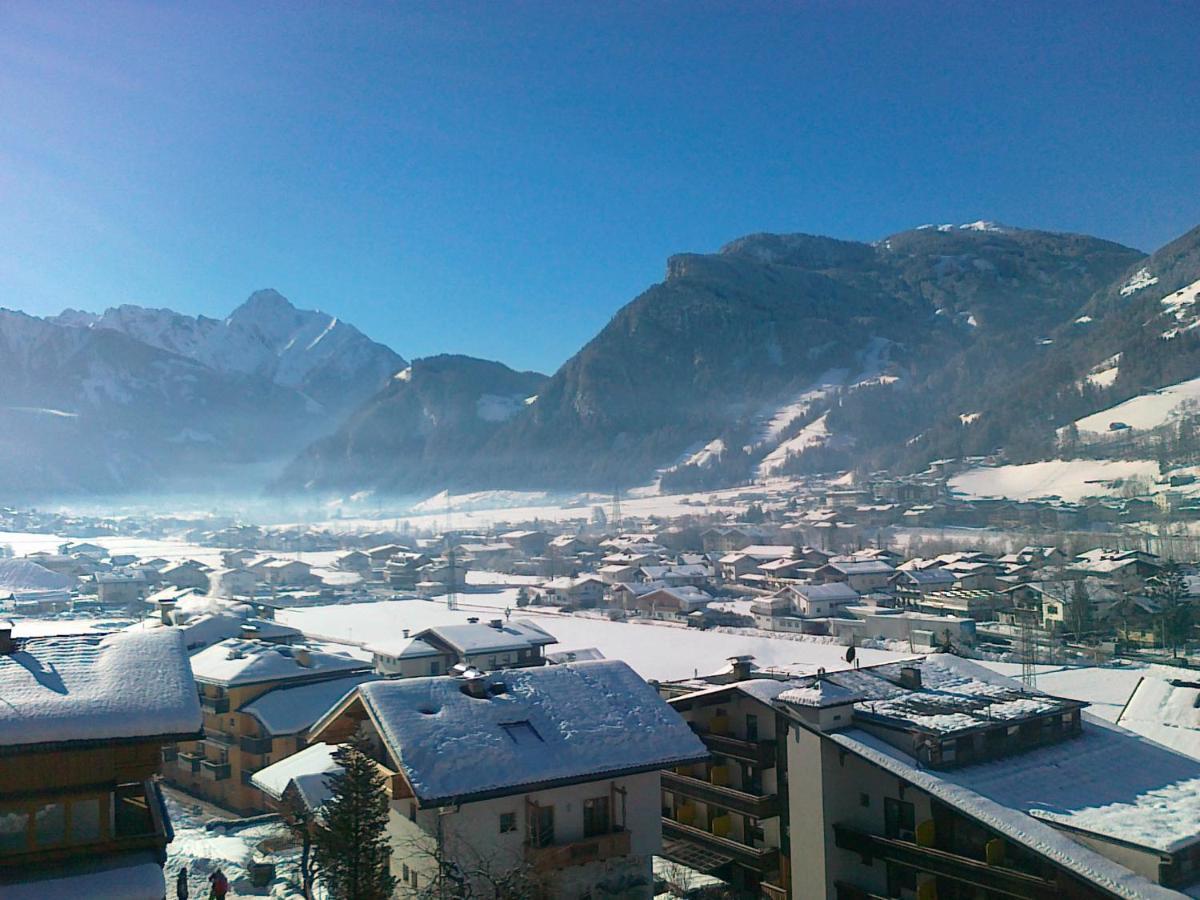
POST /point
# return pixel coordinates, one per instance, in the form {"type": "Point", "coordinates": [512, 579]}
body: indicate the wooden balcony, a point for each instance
{"type": "Point", "coordinates": [763, 860]}
{"type": "Point", "coordinates": [942, 863]}
{"type": "Point", "coordinates": [760, 806]}
{"type": "Point", "coordinates": [224, 738]}
{"type": "Point", "coordinates": [213, 770]}
{"type": "Point", "coordinates": [758, 753]}
{"type": "Point", "coordinates": [215, 705]}
{"type": "Point", "coordinates": [577, 853]}
{"type": "Point", "coordinates": [773, 891]}
{"type": "Point", "coordinates": [191, 760]}
{"type": "Point", "coordinates": [256, 745]}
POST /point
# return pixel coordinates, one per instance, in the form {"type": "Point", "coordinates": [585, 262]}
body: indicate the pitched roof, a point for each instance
{"type": "Point", "coordinates": [237, 661]}
{"type": "Point", "coordinates": [92, 687]}
{"type": "Point", "coordinates": [294, 708]}
{"type": "Point", "coordinates": [545, 726]}
{"type": "Point", "coordinates": [308, 770]}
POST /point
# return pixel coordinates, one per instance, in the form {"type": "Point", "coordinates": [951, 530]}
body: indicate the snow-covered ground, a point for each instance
{"type": "Point", "coordinates": [658, 651]}
{"type": "Point", "coordinates": [1070, 479]}
{"type": "Point", "coordinates": [230, 849]}
{"type": "Point", "coordinates": [1145, 411]}
{"type": "Point", "coordinates": [1107, 688]}
{"type": "Point", "coordinates": [811, 435]}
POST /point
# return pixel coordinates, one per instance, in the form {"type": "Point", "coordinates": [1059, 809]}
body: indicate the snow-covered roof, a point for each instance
{"type": "Point", "coordinates": [479, 638]}
{"type": "Point", "coordinates": [308, 770]}
{"type": "Point", "coordinates": [292, 709]}
{"type": "Point", "coordinates": [405, 648]}
{"type": "Point", "coordinates": [24, 575]}
{"type": "Point", "coordinates": [545, 726]}
{"type": "Point", "coordinates": [832, 592]}
{"type": "Point", "coordinates": [1163, 707]}
{"type": "Point", "coordinates": [1008, 813]}
{"type": "Point", "coordinates": [236, 661]}
{"type": "Point", "coordinates": [96, 687]}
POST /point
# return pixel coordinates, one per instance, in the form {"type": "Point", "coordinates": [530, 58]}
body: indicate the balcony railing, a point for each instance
{"type": "Point", "coordinates": [223, 738]}
{"type": "Point", "coordinates": [760, 806]}
{"type": "Point", "coordinates": [257, 745]}
{"type": "Point", "coordinates": [760, 753]}
{"type": "Point", "coordinates": [215, 771]}
{"type": "Point", "coordinates": [577, 853]}
{"type": "Point", "coordinates": [773, 891]}
{"type": "Point", "coordinates": [763, 860]}
{"type": "Point", "coordinates": [169, 753]}
{"type": "Point", "coordinates": [191, 759]}
{"type": "Point", "coordinates": [215, 705]}
{"type": "Point", "coordinates": [944, 863]}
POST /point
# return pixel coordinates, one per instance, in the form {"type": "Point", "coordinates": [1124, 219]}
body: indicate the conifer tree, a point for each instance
{"type": "Point", "coordinates": [351, 846]}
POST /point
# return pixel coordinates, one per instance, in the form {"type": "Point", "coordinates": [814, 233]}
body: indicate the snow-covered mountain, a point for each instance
{"type": "Point", "coordinates": [328, 360]}
{"type": "Point", "coordinates": [135, 399]}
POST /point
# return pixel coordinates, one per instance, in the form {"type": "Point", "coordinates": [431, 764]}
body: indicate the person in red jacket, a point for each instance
{"type": "Point", "coordinates": [220, 885]}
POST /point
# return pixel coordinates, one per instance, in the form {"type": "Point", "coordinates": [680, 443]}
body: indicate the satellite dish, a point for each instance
{"type": "Point", "coordinates": [850, 654]}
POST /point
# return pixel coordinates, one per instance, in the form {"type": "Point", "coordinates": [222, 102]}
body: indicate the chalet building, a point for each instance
{"type": "Point", "coordinates": [229, 583]}
{"type": "Point", "coordinates": [981, 606]}
{"type": "Point", "coordinates": [353, 561]}
{"type": "Point", "coordinates": [672, 603]}
{"type": "Point", "coordinates": [567, 803]}
{"type": "Point", "coordinates": [864, 576]}
{"type": "Point", "coordinates": [242, 727]}
{"type": "Point", "coordinates": [802, 608]}
{"type": "Point", "coordinates": [187, 574]}
{"type": "Point", "coordinates": [83, 719]}
{"type": "Point", "coordinates": [280, 572]}
{"type": "Point", "coordinates": [403, 570]}
{"type": "Point", "coordinates": [935, 778]}
{"type": "Point", "coordinates": [527, 543]}
{"type": "Point", "coordinates": [120, 589]}
{"type": "Point", "coordinates": [727, 539]}
{"type": "Point", "coordinates": [586, 591]}
{"type": "Point", "coordinates": [910, 585]}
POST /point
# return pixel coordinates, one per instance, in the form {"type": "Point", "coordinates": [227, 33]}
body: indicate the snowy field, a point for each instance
{"type": "Point", "coordinates": [1107, 688]}
{"type": "Point", "coordinates": [1146, 411]}
{"type": "Point", "coordinates": [659, 651]}
{"type": "Point", "coordinates": [1070, 479]}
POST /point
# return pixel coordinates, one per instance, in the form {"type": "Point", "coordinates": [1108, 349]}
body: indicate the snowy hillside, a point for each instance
{"type": "Point", "coordinates": [1141, 413]}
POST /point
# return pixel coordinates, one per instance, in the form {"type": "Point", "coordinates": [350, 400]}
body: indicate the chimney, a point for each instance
{"type": "Point", "coordinates": [475, 684]}
{"type": "Point", "coordinates": [6, 639]}
{"type": "Point", "coordinates": [496, 623]}
{"type": "Point", "coordinates": [303, 657]}
{"type": "Point", "coordinates": [405, 632]}
{"type": "Point", "coordinates": [741, 667]}
{"type": "Point", "coordinates": [910, 677]}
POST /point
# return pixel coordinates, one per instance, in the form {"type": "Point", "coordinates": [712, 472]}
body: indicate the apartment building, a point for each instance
{"type": "Point", "coordinates": [259, 699]}
{"type": "Point", "coordinates": [82, 722]}
{"type": "Point", "coordinates": [930, 779]}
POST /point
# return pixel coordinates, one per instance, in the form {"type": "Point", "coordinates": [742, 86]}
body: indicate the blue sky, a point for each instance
{"type": "Point", "coordinates": [498, 179]}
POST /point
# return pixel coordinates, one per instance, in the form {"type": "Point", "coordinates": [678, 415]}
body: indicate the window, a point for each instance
{"type": "Point", "coordinates": [522, 733]}
{"type": "Point", "coordinates": [14, 830]}
{"type": "Point", "coordinates": [899, 819]}
{"type": "Point", "coordinates": [412, 812]}
{"type": "Point", "coordinates": [404, 873]}
{"type": "Point", "coordinates": [85, 821]}
{"type": "Point", "coordinates": [751, 728]}
{"type": "Point", "coordinates": [595, 816]}
{"type": "Point", "coordinates": [435, 668]}
{"type": "Point", "coordinates": [50, 824]}
{"type": "Point", "coordinates": [508, 822]}
{"type": "Point", "coordinates": [864, 799]}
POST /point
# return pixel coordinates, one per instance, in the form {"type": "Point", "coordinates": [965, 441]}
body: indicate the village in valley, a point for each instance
{"type": "Point", "coordinates": [817, 687]}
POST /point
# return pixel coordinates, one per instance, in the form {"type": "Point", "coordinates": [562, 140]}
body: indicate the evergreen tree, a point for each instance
{"type": "Point", "coordinates": [351, 847]}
